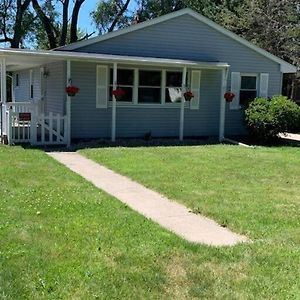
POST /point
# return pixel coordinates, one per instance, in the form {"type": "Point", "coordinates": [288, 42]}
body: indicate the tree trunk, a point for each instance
{"type": "Point", "coordinates": [21, 8]}
{"type": "Point", "coordinates": [75, 13]}
{"type": "Point", "coordinates": [64, 29]}
{"type": "Point", "coordinates": [47, 24]}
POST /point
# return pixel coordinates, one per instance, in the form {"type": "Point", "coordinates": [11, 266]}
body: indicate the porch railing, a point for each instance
{"type": "Point", "coordinates": [24, 123]}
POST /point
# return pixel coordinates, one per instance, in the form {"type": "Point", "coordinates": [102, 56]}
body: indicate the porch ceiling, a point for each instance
{"type": "Point", "coordinates": [17, 59]}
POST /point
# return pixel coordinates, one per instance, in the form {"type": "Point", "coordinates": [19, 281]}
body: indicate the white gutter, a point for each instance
{"type": "Point", "coordinates": [107, 58]}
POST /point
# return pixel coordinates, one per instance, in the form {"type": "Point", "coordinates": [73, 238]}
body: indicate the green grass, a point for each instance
{"type": "Point", "coordinates": [61, 238]}
{"type": "Point", "coordinates": [252, 191]}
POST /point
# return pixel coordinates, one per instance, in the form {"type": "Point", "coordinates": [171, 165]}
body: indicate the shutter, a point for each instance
{"type": "Point", "coordinates": [235, 88]}
{"type": "Point", "coordinates": [264, 85]}
{"type": "Point", "coordinates": [102, 87]}
{"type": "Point", "coordinates": [195, 89]}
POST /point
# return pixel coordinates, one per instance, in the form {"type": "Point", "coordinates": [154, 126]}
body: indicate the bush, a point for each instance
{"type": "Point", "coordinates": [266, 118]}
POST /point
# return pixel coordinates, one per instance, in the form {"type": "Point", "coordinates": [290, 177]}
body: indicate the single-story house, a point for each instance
{"type": "Point", "coordinates": [148, 61]}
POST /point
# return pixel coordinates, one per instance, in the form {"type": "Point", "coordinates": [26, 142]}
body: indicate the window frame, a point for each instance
{"type": "Point", "coordinates": [136, 86]}
{"type": "Point", "coordinates": [150, 86]}
{"type": "Point", "coordinates": [256, 75]}
{"type": "Point", "coordinates": [111, 85]}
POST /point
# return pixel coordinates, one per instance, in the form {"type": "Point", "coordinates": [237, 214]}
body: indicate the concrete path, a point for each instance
{"type": "Point", "coordinates": [169, 214]}
{"type": "Point", "coordinates": [290, 136]}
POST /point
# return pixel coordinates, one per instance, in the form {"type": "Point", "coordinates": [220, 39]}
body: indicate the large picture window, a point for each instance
{"type": "Point", "coordinates": [149, 90]}
{"type": "Point", "coordinates": [248, 89]}
{"type": "Point", "coordinates": [125, 81]}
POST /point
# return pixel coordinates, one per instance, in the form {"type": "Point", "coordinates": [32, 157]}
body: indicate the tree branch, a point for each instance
{"type": "Point", "coordinates": [118, 16]}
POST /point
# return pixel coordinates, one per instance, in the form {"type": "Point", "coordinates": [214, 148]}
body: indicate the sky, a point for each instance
{"type": "Point", "coordinates": [85, 21]}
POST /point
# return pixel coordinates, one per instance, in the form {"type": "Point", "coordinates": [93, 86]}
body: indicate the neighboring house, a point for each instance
{"type": "Point", "coordinates": [145, 60]}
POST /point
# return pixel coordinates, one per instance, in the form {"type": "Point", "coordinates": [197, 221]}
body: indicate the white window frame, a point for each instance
{"type": "Point", "coordinates": [151, 86]}
{"type": "Point", "coordinates": [136, 87]}
{"type": "Point", "coordinates": [123, 85]}
{"type": "Point", "coordinates": [250, 75]}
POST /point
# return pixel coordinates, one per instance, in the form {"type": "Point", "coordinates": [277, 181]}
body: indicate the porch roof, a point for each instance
{"type": "Point", "coordinates": [17, 59]}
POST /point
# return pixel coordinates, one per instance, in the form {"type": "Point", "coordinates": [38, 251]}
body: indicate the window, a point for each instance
{"type": "Point", "coordinates": [149, 90]}
{"type": "Point", "coordinates": [17, 80]}
{"type": "Point", "coordinates": [125, 80]}
{"type": "Point", "coordinates": [248, 89]}
{"type": "Point", "coordinates": [31, 84]}
{"type": "Point", "coordinates": [174, 80]}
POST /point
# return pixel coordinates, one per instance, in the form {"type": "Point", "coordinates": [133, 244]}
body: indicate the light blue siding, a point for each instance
{"type": "Point", "coordinates": [185, 37]}
{"type": "Point", "coordinates": [55, 84]}
{"type": "Point", "coordinates": [54, 96]}
{"type": "Point", "coordinates": [135, 121]}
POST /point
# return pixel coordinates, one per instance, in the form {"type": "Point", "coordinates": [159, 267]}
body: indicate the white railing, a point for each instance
{"type": "Point", "coordinates": [23, 123]}
{"type": "Point", "coordinates": [51, 129]}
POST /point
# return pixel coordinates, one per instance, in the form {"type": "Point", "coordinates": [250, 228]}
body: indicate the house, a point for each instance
{"type": "Point", "coordinates": [147, 60]}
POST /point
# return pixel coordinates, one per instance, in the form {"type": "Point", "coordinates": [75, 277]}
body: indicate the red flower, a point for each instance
{"type": "Point", "coordinates": [188, 95]}
{"type": "Point", "coordinates": [72, 90]}
{"type": "Point", "coordinates": [118, 93]}
{"type": "Point", "coordinates": [228, 96]}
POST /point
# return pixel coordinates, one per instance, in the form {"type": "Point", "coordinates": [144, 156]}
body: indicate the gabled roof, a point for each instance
{"type": "Point", "coordinates": [285, 67]}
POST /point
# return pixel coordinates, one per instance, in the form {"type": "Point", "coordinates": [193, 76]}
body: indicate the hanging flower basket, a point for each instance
{"type": "Point", "coordinates": [72, 90]}
{"type": "Point", "coordinates": [118, 93]}
{"type": "Point", "coordinates": [228, 96]}
{"type": "Point", "coordinates": [188, 96]}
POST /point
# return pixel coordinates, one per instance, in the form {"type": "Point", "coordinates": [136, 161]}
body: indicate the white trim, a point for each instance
{"type": "Point", "coordinates": [163, 85]}
{"type": "Point", "coordinates": [223, 105]}
{"type": "Point", "coordinates": [68, 105]}
{"type": "Point", "coordinates": [107, 59]}
{"type": "Point", "coordinates": [183, 89]}
{"type": "Point", "coordinates": [114, 104]}
{"type": "Point", "coordinates": [3, 81]}
{"type": "Point", "coordinates": [135, 92]}
{"type": "Point", "coordinates": [98, 86]}
{"type": "Point", "coordinates": [263, 85]}
{"type": "Point", "coordinates": [285, 67]}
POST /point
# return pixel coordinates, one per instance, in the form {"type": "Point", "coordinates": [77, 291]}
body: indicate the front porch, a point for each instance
{"type": "Point", "coordinates": [94, 112]}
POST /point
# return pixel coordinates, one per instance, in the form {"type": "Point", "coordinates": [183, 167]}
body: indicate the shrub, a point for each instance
{"type": "Point", "coordinates": [266, 118]}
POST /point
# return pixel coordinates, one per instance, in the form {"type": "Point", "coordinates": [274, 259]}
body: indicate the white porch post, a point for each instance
{"type": "Point", "coordinates": [3, 80]}
{"type": "Point", "coordinates": [3, 99]}
{"type": "Point", "coordinates": [68, 105]}
{"type": "Point", "coordinates": [114, 104]}
{"type": "Point", "coordinates": [181, 128]}
{"type": "Point", "coordinates": [223, 104]}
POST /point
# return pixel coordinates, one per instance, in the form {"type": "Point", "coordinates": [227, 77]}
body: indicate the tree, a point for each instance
{"type": "Point", "coordinates": [15, 21]}
{"type": "Point", "coordinates": [111, 14]}
{"type": "Point", "coordinates": [273, 25]}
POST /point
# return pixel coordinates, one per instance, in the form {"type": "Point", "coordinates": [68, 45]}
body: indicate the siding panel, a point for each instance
{"type": "Point", "coordinates": [187, 38]}
{"type": "Point", "coordinates": [89, 122]}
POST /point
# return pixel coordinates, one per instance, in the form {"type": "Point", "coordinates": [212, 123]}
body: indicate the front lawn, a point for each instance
{"type": "Point", "coordinates": [62, 238]}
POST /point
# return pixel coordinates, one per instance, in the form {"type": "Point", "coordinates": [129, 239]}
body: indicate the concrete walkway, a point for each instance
{"type": "Point", "coordinates": [169, 214]}
{"type": "Point", "coordinates": [290, 136]}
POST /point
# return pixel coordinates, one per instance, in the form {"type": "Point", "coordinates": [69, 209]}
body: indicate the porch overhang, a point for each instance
{"type": "Point", "coordinates": [17, 59]}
